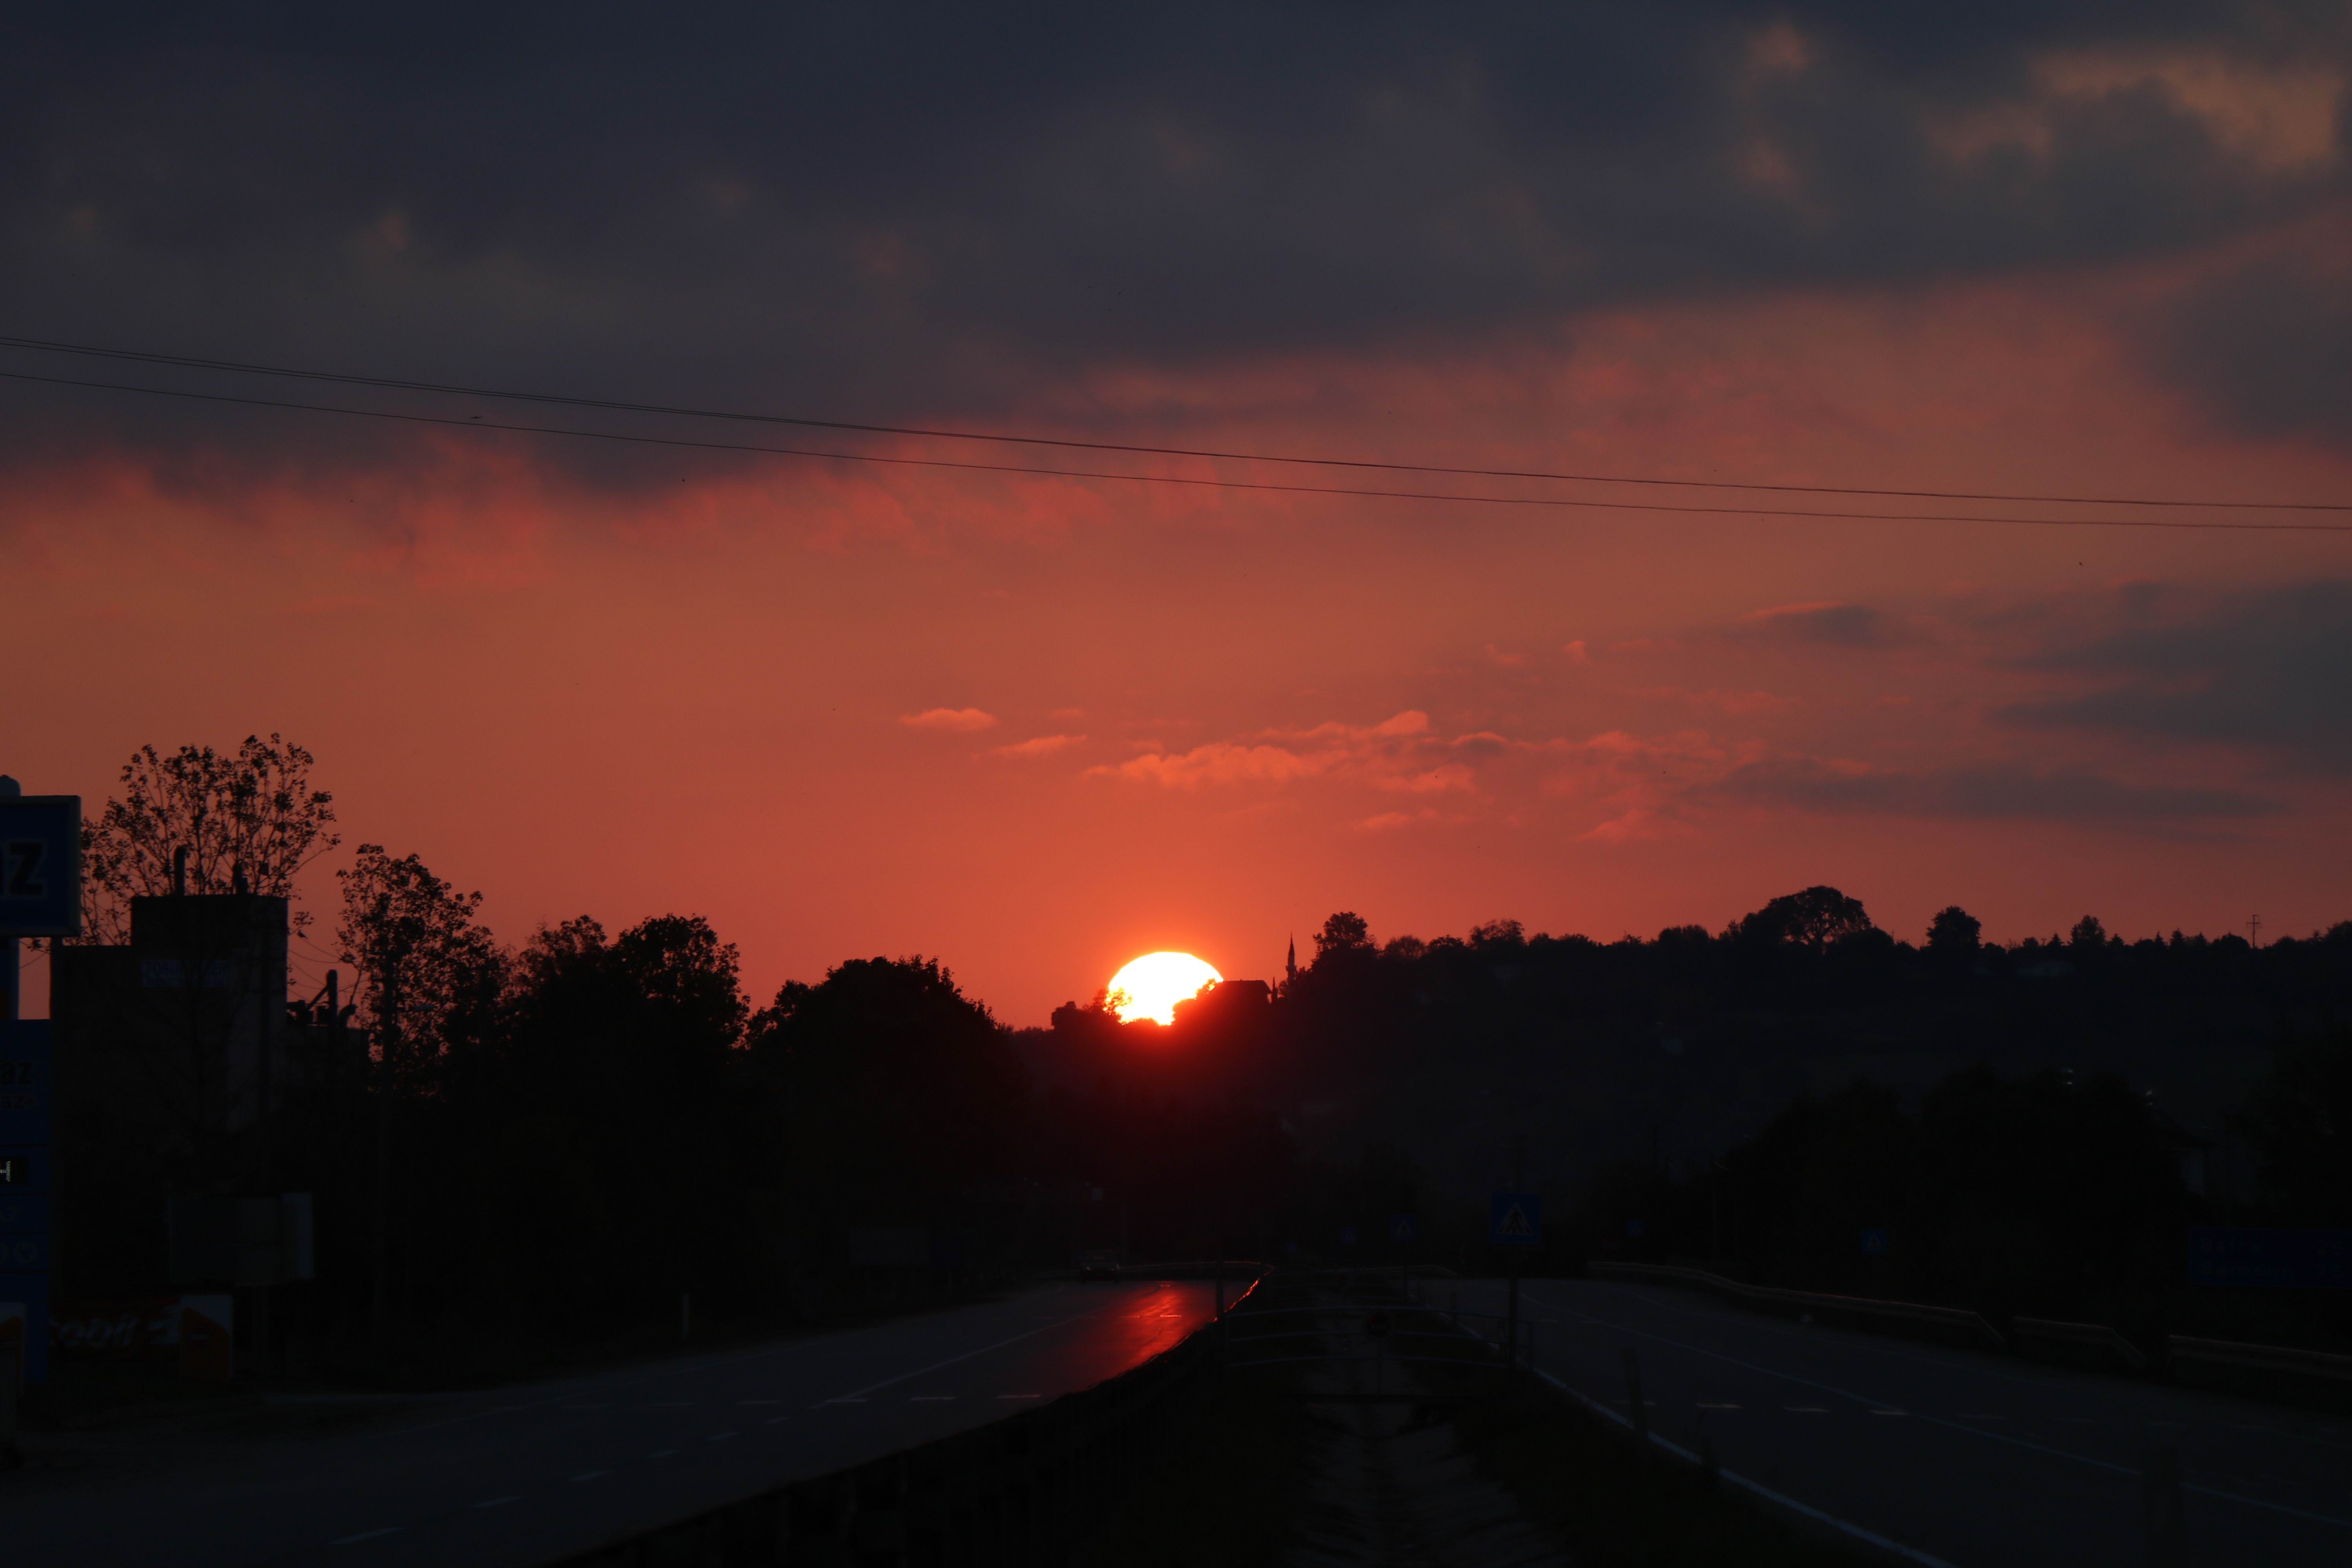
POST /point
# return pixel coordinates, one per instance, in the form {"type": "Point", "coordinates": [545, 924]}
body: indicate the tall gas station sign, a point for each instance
{"type": "Point", "coordinates": [40, 895]}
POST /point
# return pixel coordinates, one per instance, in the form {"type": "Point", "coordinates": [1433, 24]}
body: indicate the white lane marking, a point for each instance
{"type": "Point", "coordinates": [661, 1453]}
{"type": "Point", "coordinates": [775, 1421]}
{"type": "Point", "coordinates": [1703, 1405]}
{"type": "Point", "coordinates": [832, 1342]}
{"type": "Point", "coordinates": [931, 1399]}
{"type": "Point", "coordinates": [845, 1399]}
{"type": "Point", "coordinates": [496, 1501]}
{"type": "Point", "coordinates": [366, 1535]}
{"type": "Point", "coordinates": [1977, 1415]}
{"type": "Point", "coordinates": [673, 1403]}
{"type": "Point", "coordinates": [2113, 1392]}
{"type": "Point", "coordinates": [857, 1396]}
{"type": "Point", "coordinates": [588, 1476]}
{"type": "Point", "coordinates": [718, 1437]}
{"type": "Point", "coordinates": [586, 1407]}
{"type": "Point", "coordinates": [1805, 1409]}
{"type": "Point", "coordinates": [1956, 1427]}
{"type": "Point", "coordinates": [1890, 1412]}
{"type": "Point", "coordinates": [759, 1402]}
{"type": "Point", "coordinates": [1910, 1554]}
{"type": "Point", "coordinates": [1019, 1396]}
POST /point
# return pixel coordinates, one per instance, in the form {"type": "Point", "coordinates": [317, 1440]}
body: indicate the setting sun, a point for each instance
{"type": "Point", "coordinates": [1151, 987]}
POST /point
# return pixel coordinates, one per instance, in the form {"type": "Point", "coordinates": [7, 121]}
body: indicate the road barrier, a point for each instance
{"type": "Point", "coordinates": [2313, 1378]}
{"type": "Point", "coordinates": [2094, 1345]}
{"type": "Point", "coordinates": [1912, 1320]}
{"type": "Point", "coordinates": [2266, 1372]}
{"type": "Point", "coordinates": [1022, 1490]}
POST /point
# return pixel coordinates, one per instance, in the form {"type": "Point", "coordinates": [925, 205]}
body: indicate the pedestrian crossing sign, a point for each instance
{"type": "Point", "coordinates": [1514, 1219]}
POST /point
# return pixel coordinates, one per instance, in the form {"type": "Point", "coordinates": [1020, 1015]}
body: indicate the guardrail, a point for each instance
{"type": "Point", "coordinates": [2316, 1378]}
{"type": "Point", "coordinates": [1912, 1320]}
{"type": "Point", "coordinates": [2267, 1372]}
{"type": "Point", "coordinates": [2091, 1344]}
{"type": "Point", "coordinates": [1024, 1489]}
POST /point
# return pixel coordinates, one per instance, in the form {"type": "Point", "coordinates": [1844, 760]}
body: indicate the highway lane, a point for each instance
{"type": "Point", "coordinates": [1965, 1457]}
{"type": "Point", "coordinates": [526, 1474]}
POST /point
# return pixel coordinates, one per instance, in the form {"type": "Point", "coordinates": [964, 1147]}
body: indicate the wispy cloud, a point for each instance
{"type": "Point", "coordinates": [1828, 625]}
{"type": "Point", "coordinates": [950, 720]}
{"type": "Point", "coordinates": [1038, 746]}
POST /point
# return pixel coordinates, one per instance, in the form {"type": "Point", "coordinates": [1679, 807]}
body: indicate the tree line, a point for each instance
{"type": "Point", "coordinates": [568, 1133]}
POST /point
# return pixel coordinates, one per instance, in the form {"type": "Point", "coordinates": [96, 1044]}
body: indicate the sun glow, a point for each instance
{"type": "Point", "coordinates": [1152, 985]}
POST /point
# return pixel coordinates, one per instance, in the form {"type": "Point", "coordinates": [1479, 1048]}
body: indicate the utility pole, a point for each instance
{"type": "Point", "coordinates": [387, 1035]}
{"type": "Point", "coordinates": [2255, 930]}
{"type": "Point", "coordinates": [1511, 1319]}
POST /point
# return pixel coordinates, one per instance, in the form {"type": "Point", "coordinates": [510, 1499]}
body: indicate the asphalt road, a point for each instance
{"type": "Point", "coordinates": [529, 1473]}
{"type": "Point", "coordinates": [1960, 1456]}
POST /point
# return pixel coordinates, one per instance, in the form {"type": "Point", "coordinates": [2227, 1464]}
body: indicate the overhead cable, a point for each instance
{"type": "Point", "coordinates": [243, 367]}
{"type": "Point", "coordinates": [452, 422]}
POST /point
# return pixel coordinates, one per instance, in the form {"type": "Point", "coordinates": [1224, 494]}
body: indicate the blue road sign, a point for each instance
{"type": "Point", "coordinates": [1514, 1219]}
{"type": "Point", "coordinates": [41, 866]}
{"type": "Point", "coordinates": [2270, 1259]}
{"type": "Point", "coordinates": [1403, 1228]}
{"type": "Point", "coordinates": [1873, 1242]}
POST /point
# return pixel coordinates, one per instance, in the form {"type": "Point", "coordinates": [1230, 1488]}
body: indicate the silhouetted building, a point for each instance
{"type": "Point", "coordinates": [1226, 1000]}
{"type": "Point", "coordinates": [185, 1029]}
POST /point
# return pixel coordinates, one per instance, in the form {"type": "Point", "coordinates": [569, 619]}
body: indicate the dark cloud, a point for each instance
{"type": "Point", "coordinates": [1829, 625]}
{"type": "Point", "coordinates": [2271, 668]}
{"type": "Point", "coordinates": [2267, 344]}
{"type": "Point", "coordinates": [1996, 791]}
{"type": "Point", "coordinates": [893, 211]}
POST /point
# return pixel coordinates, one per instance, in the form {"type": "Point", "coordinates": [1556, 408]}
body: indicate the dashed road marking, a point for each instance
{"type": "Point", "coordinates": [759, 1402]}
{"type": "Point", "coordinates": [1019, 1396]}
{"type": "Point", "coordinates": [588, 1476]}
{"type": "Point", "coordinates": [1890, 1412]}
{"type": "Point", "coordinates": [718, 1437]}
{"type": "Point", "coordinates": [1806, 1409]}
{"type": "Point", "coordinates": [1703, 1405]}
{"type": "Point", "coordinates": [366, 1535]}
{"type": "Point", "coordinates": [845, 1399]}
{"type": "Point", "coordinates": [661, 1453]}
{"type": "Point", "coordinates": [775, 1421]}
{"type": "Point", "coordinates": [930, 1398]}
{"type": "Point", "coordinates": [496, 1501]}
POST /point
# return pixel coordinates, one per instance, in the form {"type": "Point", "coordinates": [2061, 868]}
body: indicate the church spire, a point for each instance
{"type": "Point", "coordinates": [1290, 964]}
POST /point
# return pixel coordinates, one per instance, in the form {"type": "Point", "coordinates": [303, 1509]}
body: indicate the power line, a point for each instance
{"type": "Point", "coordinates": [1259, 485]}
{"type": "Point", "coordinates": [243, 367]}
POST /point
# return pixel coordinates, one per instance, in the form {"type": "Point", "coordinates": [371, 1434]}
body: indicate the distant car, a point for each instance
{"type": "Point", "coordinates": [1100, 1264]}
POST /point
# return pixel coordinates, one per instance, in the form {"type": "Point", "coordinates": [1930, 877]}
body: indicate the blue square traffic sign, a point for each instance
{"type": "Point", "coordinates": [1514, 1219]}
{"type": "Point", "coordinates": [41, 866]}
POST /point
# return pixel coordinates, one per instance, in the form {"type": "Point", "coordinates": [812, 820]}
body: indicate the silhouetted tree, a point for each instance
{"type": "Point", "coordinates": [1954, 931]}
{"type": "Point", "coordinates": [426, 970]}
{"type": "Point", "coordinates": [900, 1088]}
{"type": "Point", "coordinates": [1345, 935]}
{"type": "Point", "coordinates": [252, 816]}
{"type": "Point", "coordinates": [1812, 919]}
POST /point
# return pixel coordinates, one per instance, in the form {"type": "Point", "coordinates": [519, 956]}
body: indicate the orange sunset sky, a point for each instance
{"type": "Point", "coordinates": [1038, 725]}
